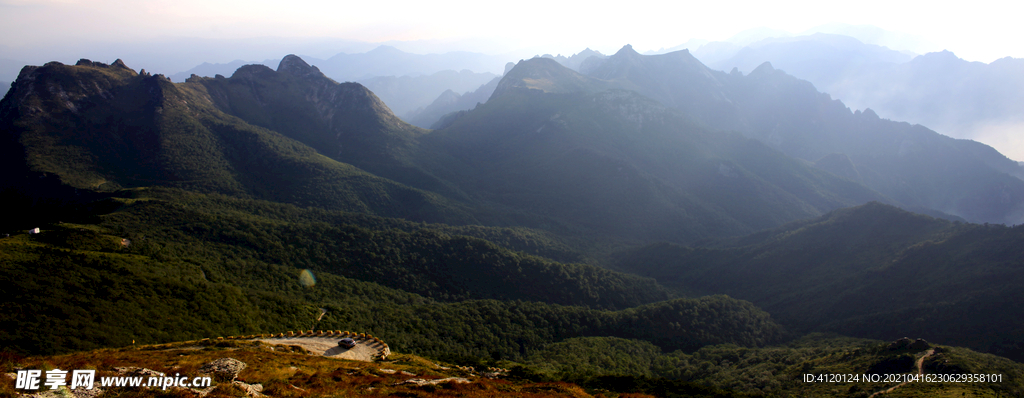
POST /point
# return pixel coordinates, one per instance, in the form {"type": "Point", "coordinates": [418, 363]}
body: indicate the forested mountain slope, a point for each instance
{"type": "Point", "coordinates": [103, 127]}
{"type": "Point", "coordinates": [196, 266]}
{"type": "Point", "coordinates": [553, 142]}
{"type": "Point", "coordinates": [916, 167]}
{"type": "Point", "coordinates": [869, 271]}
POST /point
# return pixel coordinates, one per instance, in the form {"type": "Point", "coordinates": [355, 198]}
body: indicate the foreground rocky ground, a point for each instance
{"type": "Point", "coordinates": [253, 368]}
{"type": "Point", "coordinates": [256, 369]}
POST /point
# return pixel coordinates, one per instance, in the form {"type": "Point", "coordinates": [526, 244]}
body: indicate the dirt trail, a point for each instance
{"type": "Point", "coordinates": [920, 372]}
{"type": "Point", "coordinates": [364, 350]}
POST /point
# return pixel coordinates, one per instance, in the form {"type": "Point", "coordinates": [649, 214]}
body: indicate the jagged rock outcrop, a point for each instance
{"type": "Point", "coordinates": [223, 369]}
{"type": "Point", "coordinates": [295, 66]}
{"type": "Point", "coordinates": [345, 121]}
{"type": "Point", "coordinates": [253, 390]}
{"type": "Point", "coordinates": [332, 97]}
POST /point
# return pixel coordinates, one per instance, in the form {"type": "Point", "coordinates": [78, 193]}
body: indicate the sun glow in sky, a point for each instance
{"type": "Point", "coordinates": [982, 31]}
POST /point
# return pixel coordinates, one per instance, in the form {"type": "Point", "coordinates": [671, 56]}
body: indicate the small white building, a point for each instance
{"type": "Point", "coordinates": [33, 231]}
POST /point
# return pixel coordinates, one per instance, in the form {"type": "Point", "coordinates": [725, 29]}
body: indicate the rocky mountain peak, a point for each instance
{"type": "Point", "coordinates": [763, 69]}
{"type": "Point", "coordinates": [87, 62]}
{"type": "Point", "coordinates": [613, 66]}
{"type": "Point", "coordinates": [448, 97]}
{"type": "Point", "coordinates": [120, 64]}
{"type": "Point", "coordinates": [384, 49]}
{"type": "Point", "coordinates": [626, 51]}
{"type": "Point", "coordinates": [293, 65]}
{"type": "Point", "coordinates": [542, 74]}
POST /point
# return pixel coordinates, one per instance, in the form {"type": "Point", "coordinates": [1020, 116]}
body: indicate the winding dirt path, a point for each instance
{"type": "Point", "coordinates": [920, 373]}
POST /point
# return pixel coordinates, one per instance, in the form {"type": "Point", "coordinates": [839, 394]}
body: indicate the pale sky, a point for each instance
{"type": "Point", "coordinates": [984, 31]}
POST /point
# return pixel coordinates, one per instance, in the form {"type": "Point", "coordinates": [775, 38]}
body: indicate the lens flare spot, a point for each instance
{"type": "Point", "coordinates": [306, 278]}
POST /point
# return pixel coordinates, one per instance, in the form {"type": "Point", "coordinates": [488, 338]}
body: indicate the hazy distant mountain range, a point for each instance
{"type": "Point", "coordinates": [390, 61]}
{"type": "Point", "coordinates": [981, 105]}
{"type": "Point", "coordinates": [938, 90]}
{"type": "Point", "coordinates": [575, 61]}
{"type": "Point", "coordinates": [405, 82]}
{"type": "Point", "coordinates": [512, 158]}
{"type": "Point", "coordinates": [449, 102]}
{"type": "Point", "coordinates": [407, 94]}
{"type": "Point", "coordinates": [381, 61]}
{"type": "Point", "coordinates": [822, 59]}
{"type": "Point", "coordinates": [910, 164]}
{"type": "Point", "coordinates": [211, 70]}
{"type": "Point", "coordinates": [414, 86]}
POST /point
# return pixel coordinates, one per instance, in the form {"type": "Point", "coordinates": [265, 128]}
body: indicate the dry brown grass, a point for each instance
{"type": "Point", "coordinates": [286, 372]}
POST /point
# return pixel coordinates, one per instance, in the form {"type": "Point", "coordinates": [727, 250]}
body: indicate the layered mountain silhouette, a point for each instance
{"type": "Point", "coordinates": [826, 60]}
{"type": "Point", "coordinates": [214, 69]}
{"type": "Point", "coordinates": [407, 94]}
{"type": "Point", "coordinates": [406, 82]}
{"type": "Point", "coordinates": [390, 61]}
{"type": "Point", "coordinates": [908, 165]}
{"type": "Point", "coordinates": [567, 146]}
{"type": "Point", "coordinates": [575, 61]}
{"type": "Point", "coordinates": [950, 95]}
{"type": "Point", "coordinates": [449, 102]}
{"type": "Point", "coordinates": [955, 97]}
{"type": "Point", "coordinates": [652, 116]}
{"type": "Point", "coordinates": [911, 164]}
{"type": "Point", "coordinates": [550, 149]}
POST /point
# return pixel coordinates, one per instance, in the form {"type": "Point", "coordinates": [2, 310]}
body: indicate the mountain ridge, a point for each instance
{"type": "Point", "coordinates": [870, 270]}
{"type": "Point", "coordinates": [792, 116]}
{"type": "Point", "coordinates": [961, 99]}
{"type": "Point", "coordinates": [544, 112]}
{"type": "Point", "coordinates": [168, 134]}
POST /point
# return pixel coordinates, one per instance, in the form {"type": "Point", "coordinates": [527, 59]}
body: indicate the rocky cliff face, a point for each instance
{"type": "Point", "coordinates": [546, 75]}
{"type": "Point", "coordinates": [332, 98]}
{"type": "Point", "coordinates": [345, 121]}
{"type": "Point", "coordinates": [99, 127]}
{"type": "Point", "coordinates": [58, 119]}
